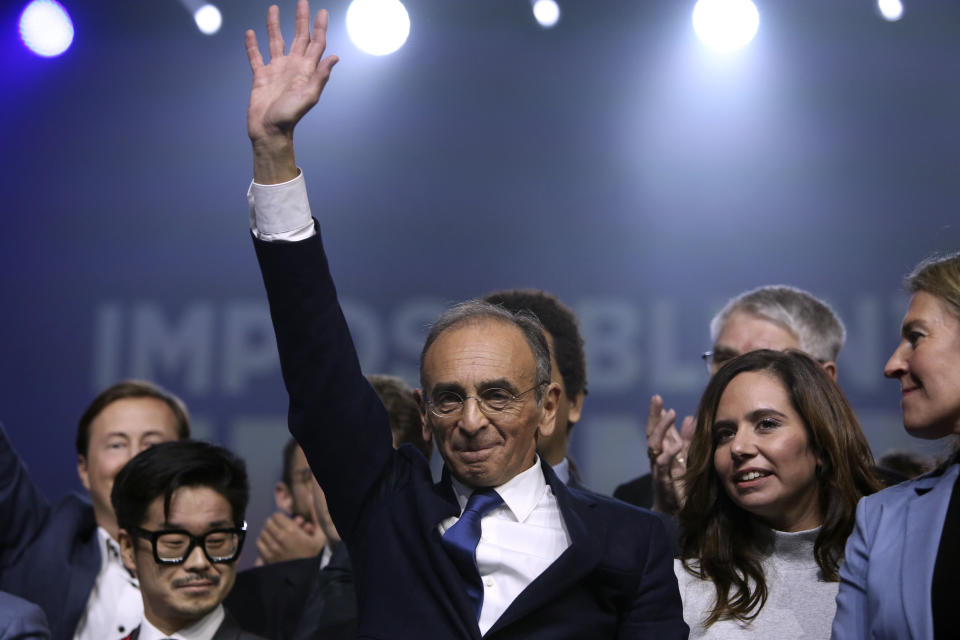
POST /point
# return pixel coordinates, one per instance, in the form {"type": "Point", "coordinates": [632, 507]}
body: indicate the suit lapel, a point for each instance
{"type": "Point", "coordinates": [587, 537]}
{"type": "Point", "coordinates": [925, 516]}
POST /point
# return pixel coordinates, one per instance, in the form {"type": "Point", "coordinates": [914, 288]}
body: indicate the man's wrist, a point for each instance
{"type": "Point", "coordinates": [274, 160]}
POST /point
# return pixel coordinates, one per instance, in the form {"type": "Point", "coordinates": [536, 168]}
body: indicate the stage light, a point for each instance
{"type": "Point", "coordinates": [46, 28]}
{"type": "Point", "coordinates": [891, 10]}
{"type": "Point", "coordinates": [547, 13]}
{"type": "Point", "coordinates": [208, 19]}
{"type": "Point", "coordinates": [725, 25]}
{"type": "Point", "coordinates": [378, 27]}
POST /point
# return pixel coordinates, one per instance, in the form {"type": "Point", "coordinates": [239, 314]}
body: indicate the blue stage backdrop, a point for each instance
{"type": "Point", "coordinates": [610, 160]}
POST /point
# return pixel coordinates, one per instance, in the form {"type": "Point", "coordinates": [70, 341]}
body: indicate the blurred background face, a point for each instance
{"type": "Point", "coordinates": [554, 447]}
{"type": "Point", "coordinates": [927, 363]}
{"type": "Point", "coordinates": [745, 332]}
{"type": "Point", "coordinates": [763, 455]}
{"type": "Point", "coordinates": [175, 596]}
{"type": "Point", "coordinates": [122, 430]}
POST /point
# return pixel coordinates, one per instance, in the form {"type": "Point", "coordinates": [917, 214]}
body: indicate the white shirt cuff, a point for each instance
{"type": "Point", "coordinates": [280, 211]}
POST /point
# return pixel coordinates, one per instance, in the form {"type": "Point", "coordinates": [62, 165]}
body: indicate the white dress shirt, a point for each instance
{"type": "Point", "coordinates": [202, 629]}
{"type": "Point", "coordinates": [114, 607]}
{"type": "Point", "coordinates": [520, 538]}
{"type": "Point", "coordinates": [280, 211]}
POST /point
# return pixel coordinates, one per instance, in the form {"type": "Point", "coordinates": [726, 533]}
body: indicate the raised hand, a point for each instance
{"type": "Point", "coordinates": [284, 90]}
{"type": "Point", "coordinates": [667, 451]}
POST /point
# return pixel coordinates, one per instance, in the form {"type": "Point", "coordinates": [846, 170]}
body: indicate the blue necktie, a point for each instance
{"type": "Point", "coordinates": [462, 538]}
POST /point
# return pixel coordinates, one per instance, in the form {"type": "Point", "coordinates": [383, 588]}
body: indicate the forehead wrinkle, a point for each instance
{"type": "Point", "coordinates": [471, 357]}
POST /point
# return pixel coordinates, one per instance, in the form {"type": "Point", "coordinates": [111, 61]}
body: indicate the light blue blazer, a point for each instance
{"type": "Point", "coordinates": [887, 573]}
{"type": "Point", "coordinates": [21, 620]}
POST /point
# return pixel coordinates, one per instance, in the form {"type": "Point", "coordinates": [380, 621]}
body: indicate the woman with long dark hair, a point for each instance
{"type": "Point", "coordinates": [775, 470]}
{"type": "Point", "coordinates": [901, 576]}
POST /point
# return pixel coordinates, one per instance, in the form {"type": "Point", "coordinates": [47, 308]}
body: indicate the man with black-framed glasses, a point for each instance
{"type": "Point", "coordinates": [180, 507]}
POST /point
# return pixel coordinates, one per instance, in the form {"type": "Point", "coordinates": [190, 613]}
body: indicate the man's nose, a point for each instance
{"type": "Point", "coordinates": [196, 559]}
{"type": "Point", "coordinates": [473, 418]}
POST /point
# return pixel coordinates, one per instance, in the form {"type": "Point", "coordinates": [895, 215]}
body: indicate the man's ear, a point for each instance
{"type": "Point", "coordinates": [82, 471]}
{"type": "Point", "coordinates": [283, 497]}
{"type": "Point", "coordinates": [422, 407]}
{"type": "Point", "coordinates": [548, 409]}
{"type": "Point", "coordinates": [831, 369]}
{"type": "Point", "coordinates": [576, 408]}
{"type": "Point", "coordinates": [125, 541]}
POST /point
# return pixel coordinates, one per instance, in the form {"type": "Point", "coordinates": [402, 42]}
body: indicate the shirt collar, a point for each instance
{"type": "Point", "coordinates": [202, 629]}
{"type": "Point", "coordinates": [520, 494]}
{"type": "Point", "coordinates": [562, 469]}
{"type": "Point", "coordinates": [110, 555]}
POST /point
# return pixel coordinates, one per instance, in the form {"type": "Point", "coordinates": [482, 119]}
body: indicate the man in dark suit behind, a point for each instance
{"type": "Point", "coordinates": [180, 508]}
{"type": "Point", "coordinates": [500, 548]}
{"type": "Point", "coordinates": [568, 366]}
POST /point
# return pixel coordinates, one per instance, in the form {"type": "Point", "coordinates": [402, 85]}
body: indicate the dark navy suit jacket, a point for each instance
{"type": "Point", "coordinates": [614, 581]}
{"type": "Point", "coordinates": [50, 556]}
{"type": "Point", "coordinates": [272, 600]}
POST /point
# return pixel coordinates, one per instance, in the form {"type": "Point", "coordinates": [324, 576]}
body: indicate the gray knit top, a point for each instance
{"type": "Point", "coordinates": [799, 604]}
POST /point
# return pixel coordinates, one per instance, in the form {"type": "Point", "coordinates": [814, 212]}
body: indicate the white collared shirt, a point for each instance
{"type": "Point", "coordinates": [280, 211]}
{"type": "Point", "coordinates": [326, 555]}
{"type": "Point", "coordinates": [114, 607]}
{"type": "Point", "coordinates": [202, 629]}
{"type": "Point", "coordinates": [518, 539]}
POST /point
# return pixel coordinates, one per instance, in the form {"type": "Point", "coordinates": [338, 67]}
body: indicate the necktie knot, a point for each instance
{"type": "Point", "coordinates": [482, 502]}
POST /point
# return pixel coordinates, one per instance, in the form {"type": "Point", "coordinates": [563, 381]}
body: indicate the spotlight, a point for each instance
{"type": "Point", "coordinates": [547, 13]}
{"type": "Point", "coordinates": [891, 10]}
{"type": "Point", "coordinates": [208, 19]}
{"type": "Point", "coordinates": [725, 25]}
{"type": "Point", "coordinates": [378, 27]}
{"type": "Point", "coordinates": [46, 28]}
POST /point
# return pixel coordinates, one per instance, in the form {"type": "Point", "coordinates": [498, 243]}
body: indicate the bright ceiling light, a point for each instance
{"type": "Point", "coordinates": [46, 28]}
{"type": "Point", "coordinates": [547, 13]}
{"type": "Point", "coordinates": [725, 25]}
{"type": "Point", "coordinates": [378, 27]}
{"type": "Point", "coordinates": [208, 19]}
{"type": "Point", "coordinates": [891, 10]}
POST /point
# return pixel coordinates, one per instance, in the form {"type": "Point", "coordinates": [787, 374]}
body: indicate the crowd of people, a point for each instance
{"type": "Point", "coordinates": [764, 514]}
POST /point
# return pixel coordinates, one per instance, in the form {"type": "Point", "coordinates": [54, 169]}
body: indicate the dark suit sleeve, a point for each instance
{"type": "Point", "coordinates": [23, 509]}
{"type": "Point", "coordinates": [655, 609]}
{"type": "Point", "coordinates": [334, 414]}
{"type": "Point", "coordinates": [638, 492]}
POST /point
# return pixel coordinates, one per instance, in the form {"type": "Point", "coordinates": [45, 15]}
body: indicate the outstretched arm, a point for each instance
{"type": "Point", "coordinates": [284, 90]}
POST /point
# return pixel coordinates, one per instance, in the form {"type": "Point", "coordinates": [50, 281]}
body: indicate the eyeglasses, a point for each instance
{"type": "Point", "coordinates": [492, 402]}
{"type": "Point", "coordinates": [174, 546]}
{"type": "Point", "coordinates": [716, 359]}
